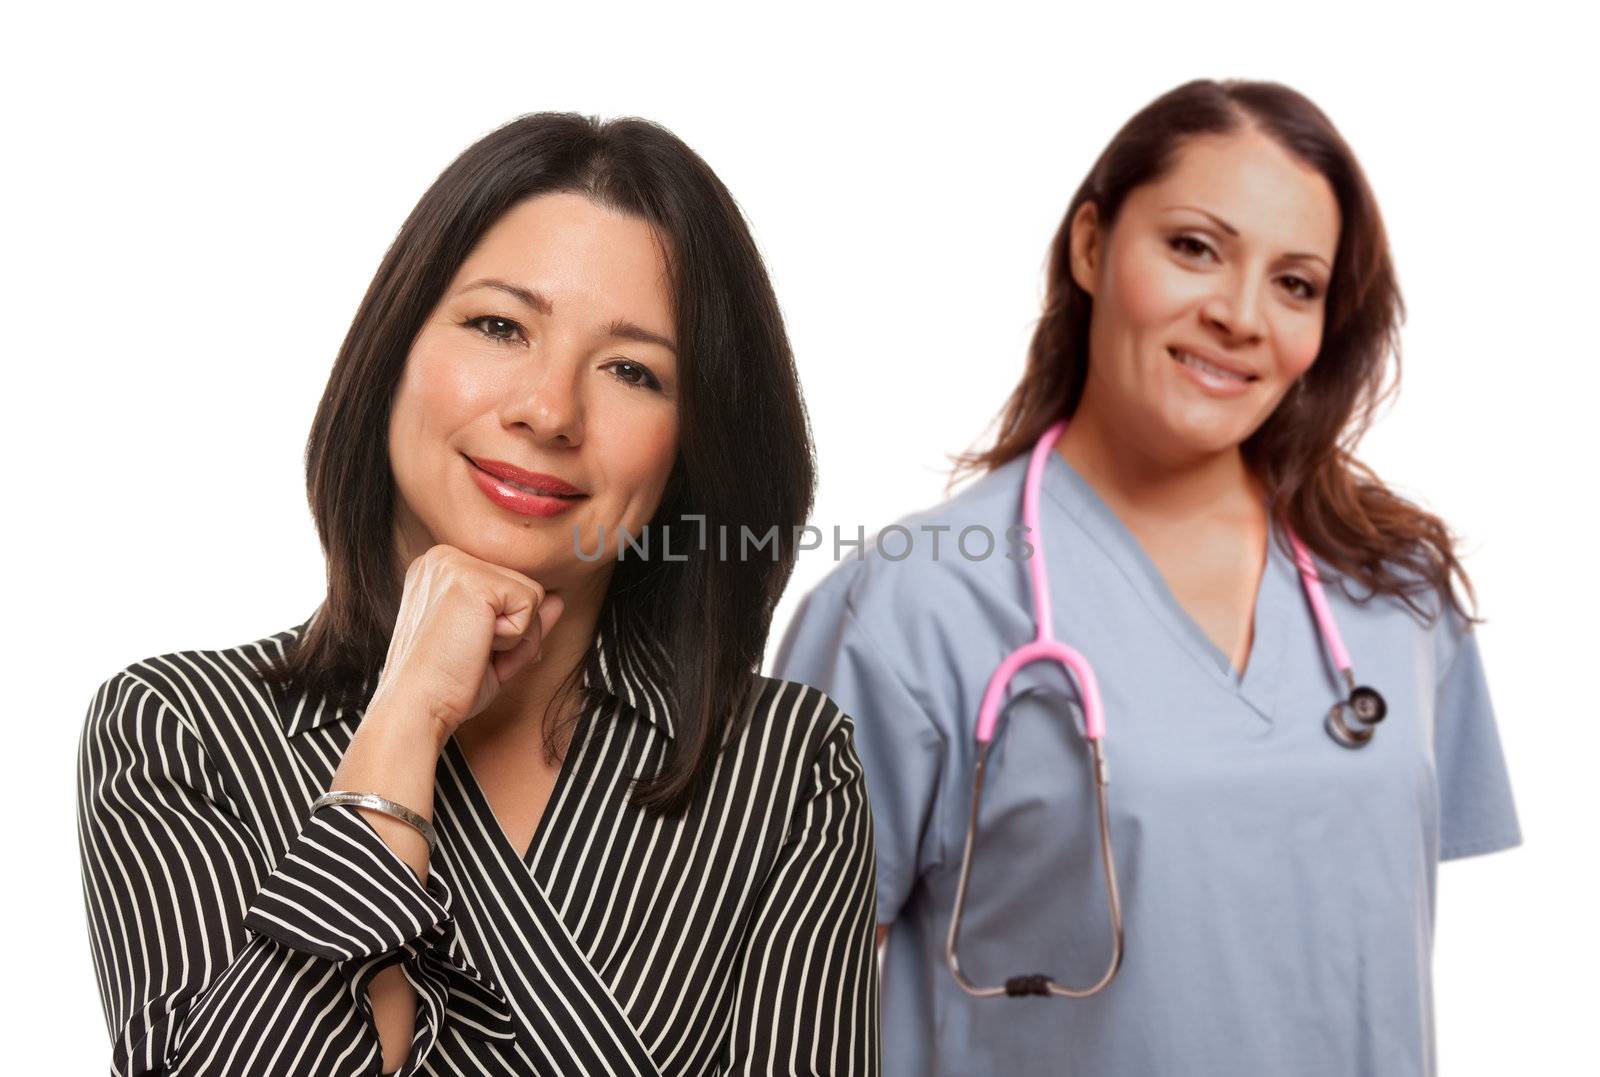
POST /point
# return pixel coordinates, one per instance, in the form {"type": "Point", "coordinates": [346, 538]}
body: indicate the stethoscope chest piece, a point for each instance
{"type": "Point", "coordinates": [1366, 705]}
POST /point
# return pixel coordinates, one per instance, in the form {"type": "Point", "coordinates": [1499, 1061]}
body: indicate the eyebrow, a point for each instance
{"type": "Point", "coordinates": [621, 328]}
{"type": "Point", "coordinates": [1303, 256]}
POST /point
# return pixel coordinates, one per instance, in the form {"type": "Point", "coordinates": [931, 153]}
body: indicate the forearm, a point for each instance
{"type": "Point", "coordinates": [217, 957]}
{"type": "Point", "coordinates": [395, 755]}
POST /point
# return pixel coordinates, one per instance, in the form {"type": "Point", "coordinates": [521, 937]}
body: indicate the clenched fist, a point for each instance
{"type": "Point", "coordinates": [464, 629]}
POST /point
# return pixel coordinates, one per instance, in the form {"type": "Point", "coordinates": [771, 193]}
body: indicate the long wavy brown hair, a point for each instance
{"type": "Point", "coordinates": [1303, 454]}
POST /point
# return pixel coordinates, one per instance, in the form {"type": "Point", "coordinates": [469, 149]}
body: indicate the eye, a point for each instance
{"type": "Point", "coordinates": [491, 325]}
{"type": "Point", "coordinates": [1192, 246]}
{"type": "Point", "coordinates": [635, 374]}
{"type": "Point", "coordinates": [1310, 291]}
{"type": "Point", "coordinates": [1187, 244]}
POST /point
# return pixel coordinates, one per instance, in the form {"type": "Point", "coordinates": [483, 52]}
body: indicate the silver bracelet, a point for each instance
{"type": "Point", "coordinates": [386, 806]}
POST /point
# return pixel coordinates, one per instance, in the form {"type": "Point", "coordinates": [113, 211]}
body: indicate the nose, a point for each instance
{"type": "Point", "coordinates": [546, 398]}
{"type": "Point", "coordinates": [1235, 308]}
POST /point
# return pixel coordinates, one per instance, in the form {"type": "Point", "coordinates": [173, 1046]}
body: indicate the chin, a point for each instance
{"type": "Point", "coordinates": [1204, 435]}
{"type": "Point", "coordinates": [514, 551]}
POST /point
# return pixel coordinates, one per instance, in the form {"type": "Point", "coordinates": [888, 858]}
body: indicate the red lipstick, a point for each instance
{"type": "Point", "coordinates": [530, 493]}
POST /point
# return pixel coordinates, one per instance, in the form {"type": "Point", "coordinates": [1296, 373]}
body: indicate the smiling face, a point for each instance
{"type": "Point", "coordinates": [550, 359]}
{"type": "Point", "coordinates": [1208, 295]}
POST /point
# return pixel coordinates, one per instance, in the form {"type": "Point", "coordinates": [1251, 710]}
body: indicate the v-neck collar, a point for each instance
{"type": "Point", "coordinates": [480, 799]}
{"type": "Point", "coordinates": [536, 958]}
{"type": "Point", "coordinates": [1081, 504]}
{"type": "Point", "coordinates": [631, 672]}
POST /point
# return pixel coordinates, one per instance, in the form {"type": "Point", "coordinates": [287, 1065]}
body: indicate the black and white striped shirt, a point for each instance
{"type": "Point", "coordinates": [234, 932]}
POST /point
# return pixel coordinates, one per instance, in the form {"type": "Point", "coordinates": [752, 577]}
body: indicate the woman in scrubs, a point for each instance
{"type": "Point", "coordinates": [1220, 316]}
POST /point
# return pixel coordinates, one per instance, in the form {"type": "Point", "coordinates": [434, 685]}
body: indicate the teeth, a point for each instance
{"type": "Point", "coordinates": [528, 489]}
{"type": "Point", "coordinates": [520, 486]}
{"type": "Point", "coordinates": [1209, 368]}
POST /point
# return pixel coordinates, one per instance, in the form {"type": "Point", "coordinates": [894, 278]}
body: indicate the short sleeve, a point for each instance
{"type": "Point", "coordinates": [903, 751]}
{"type": "Point", "coordinates": [1477, 813]}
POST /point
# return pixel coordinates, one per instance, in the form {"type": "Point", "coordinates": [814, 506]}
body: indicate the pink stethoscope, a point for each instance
{"type": "Point", "coordinates": [1364, 703]}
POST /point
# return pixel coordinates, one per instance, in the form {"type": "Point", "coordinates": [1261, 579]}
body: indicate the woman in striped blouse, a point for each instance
{"type": "Point", "coordinates": [557, 474]}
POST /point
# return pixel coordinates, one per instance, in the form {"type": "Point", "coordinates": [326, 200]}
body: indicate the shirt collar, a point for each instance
{"type": "Point", "coordinates": [632, 670]}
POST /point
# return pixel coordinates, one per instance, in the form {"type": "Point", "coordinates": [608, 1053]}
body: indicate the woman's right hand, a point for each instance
{"type": "Point", "coordinates": [465, 627]}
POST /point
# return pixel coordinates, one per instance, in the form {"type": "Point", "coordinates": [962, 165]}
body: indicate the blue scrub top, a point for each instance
{"type": "Point", "coordinates": [1278, 888]}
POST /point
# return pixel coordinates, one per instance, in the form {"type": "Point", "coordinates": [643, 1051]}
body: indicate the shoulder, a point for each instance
{"type": "Point", "coordinates": [200, 689]}
{"type": "Point", "coordinates": [790, 727]}
{"type": "Point", "coordinates": [1428, 626]}
{"type": "Point", "coordinates": [1453, 636]}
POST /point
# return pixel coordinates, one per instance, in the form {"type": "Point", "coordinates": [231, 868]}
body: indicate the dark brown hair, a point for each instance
{"type": "Point", "coordinates": [1303, 454]}
{"type": "Point", "coordinates": [744, 448]}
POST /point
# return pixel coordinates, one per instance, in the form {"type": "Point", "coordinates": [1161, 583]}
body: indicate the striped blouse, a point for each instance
{"type": "Point", "coordinates": [234, 932]}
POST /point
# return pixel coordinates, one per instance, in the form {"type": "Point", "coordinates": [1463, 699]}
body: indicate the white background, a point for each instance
{"type": "Point", "coordinates": [195, 200]}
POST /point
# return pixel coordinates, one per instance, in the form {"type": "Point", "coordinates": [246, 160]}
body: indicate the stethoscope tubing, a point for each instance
{"type": "Point", "coordinates": [1361, 702]}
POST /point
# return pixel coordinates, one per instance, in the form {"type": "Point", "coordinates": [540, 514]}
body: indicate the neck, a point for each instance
{"type": "Point", "coordinates": [1139, 482]}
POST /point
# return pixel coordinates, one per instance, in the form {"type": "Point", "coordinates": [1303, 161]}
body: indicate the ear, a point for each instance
{"type": "Point", "coordinates": [1086, 246]}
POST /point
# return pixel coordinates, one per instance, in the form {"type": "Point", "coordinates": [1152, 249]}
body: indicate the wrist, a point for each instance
{"type": "Point", "coordinates": [405, 723]}
{"type": "Point", "coordinates": [376, 802]}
